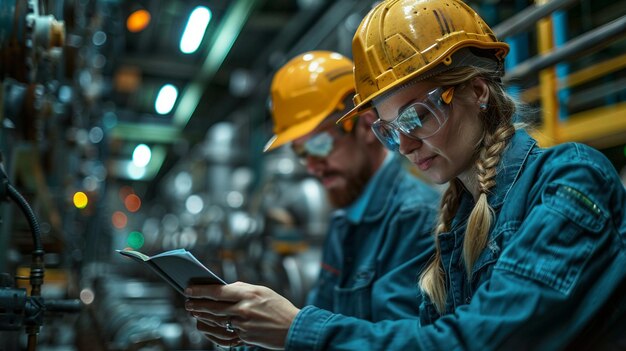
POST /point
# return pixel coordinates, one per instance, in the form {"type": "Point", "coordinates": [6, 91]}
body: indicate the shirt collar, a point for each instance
{"type": "Point", "coordinates": [510, 166]}
{"type": "Point", "coordinates": [507, 172]}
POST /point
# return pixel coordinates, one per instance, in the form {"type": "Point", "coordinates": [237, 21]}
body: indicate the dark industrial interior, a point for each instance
{"type": "Point", "coordinates": [78, 103]}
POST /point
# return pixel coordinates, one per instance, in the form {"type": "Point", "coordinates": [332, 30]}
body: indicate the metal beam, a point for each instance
{"type": "Point", "coordinates": [148, 133]}
{"type": "Point", "coordinates": [593, 39]}
{"type": "Point", "coordinates": [587, 97]}
{"type": "Point", "coordinates": [595, 124]}
{"type": "Point", "coordinates": [579, 77]}
{"type": "Point", "coordinates": [601, 127]}
{"type": "Point", "coordinates": [525, 19]}
{"type": "Point", "coordinates": [598, 70]}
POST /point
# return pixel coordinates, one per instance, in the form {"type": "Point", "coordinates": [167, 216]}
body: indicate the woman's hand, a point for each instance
{"type": "Point", "coordinates": [258, 315]}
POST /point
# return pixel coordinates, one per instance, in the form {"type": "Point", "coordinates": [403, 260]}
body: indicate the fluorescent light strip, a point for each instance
{"type": "Point", "coordinates": [195, 29]}
{"type": "Point", "coordinates": [142, 155]}
{"type": "Point", "coordinates": [166, 99]}
{"type": "Point", "coordinates": [229, 29]}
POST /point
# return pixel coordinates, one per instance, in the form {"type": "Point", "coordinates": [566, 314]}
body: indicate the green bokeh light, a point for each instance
{"type": "Point", "coordinates": [135, 240]}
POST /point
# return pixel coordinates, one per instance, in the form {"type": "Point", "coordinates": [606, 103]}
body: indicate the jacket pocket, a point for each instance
{"type": "Point", "coordinates": [356, 299]}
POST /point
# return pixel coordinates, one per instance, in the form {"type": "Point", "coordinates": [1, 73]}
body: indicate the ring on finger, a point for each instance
{"type": "Point", "coordinates": [229, 327]}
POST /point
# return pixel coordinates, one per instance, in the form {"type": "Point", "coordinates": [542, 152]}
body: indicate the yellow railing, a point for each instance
{"type": "Point", "coordinates": [600, 127]}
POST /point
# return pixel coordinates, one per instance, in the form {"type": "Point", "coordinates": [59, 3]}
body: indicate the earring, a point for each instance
{"type": "Point", "coordinates": [482, 106]}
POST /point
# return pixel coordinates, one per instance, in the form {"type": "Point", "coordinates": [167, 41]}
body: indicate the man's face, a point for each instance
{"type": "Point", "coordinates": [341, 165]}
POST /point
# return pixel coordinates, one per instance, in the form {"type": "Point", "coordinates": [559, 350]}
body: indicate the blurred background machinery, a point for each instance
{"type": "Point", "coordinates": [140, 124]}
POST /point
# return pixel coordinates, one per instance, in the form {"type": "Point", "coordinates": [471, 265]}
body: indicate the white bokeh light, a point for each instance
{"type": "Point", "coordinates": [166, 99]}
{"type": "Point", "coordinates": [142, 155]}
{"type": "Point", "coordinates": [195, 29]}
{"type": "Point", "coordinates": [194, 204]}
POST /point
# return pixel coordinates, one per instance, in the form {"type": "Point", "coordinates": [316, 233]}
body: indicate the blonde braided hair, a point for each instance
{"type": "Point", "coordinates": [499, 128]}
{"type": "Point", "coordinates": [481, 217]}
{"type": "Point", "coordinates": [432, 280]}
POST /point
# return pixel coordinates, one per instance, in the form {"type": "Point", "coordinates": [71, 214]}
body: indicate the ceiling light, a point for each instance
{"type": "Point", "coordinates": [166, 99]}
{"type": "Point", "coordinates": [138, 21]}
{"type": "Point", "coordinates": [195, 29]}
{"type": "Point", "coordinates": [142, 155]}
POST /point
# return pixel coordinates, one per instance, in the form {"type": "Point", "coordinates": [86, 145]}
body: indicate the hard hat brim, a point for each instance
{"type": "Point", "coordinates": [292, 133]}
{"type": "Point", "coordinates": [354, 112]}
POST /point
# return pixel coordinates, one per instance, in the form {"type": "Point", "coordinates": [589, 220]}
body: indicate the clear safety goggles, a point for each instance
{"type": "Point", "coordinates": [321, 144]}
{"type": "Point", "coordinates": [418, 120]}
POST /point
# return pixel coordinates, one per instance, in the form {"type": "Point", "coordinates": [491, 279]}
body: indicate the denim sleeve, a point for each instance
{"type": "Point", "coordinates": [560, 266]}
{"type": "Point", "coordinates": [320, 330]}
{"type": "Point", "coordinates": [321, 294]}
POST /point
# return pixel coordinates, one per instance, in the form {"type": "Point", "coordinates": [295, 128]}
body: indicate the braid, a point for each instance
{"type": "Point", "coordinates": [432, 280]}
{"type": "Point", "coordinates": [479, 222]}
{"type": "Point", "coordinates": [498, 129]}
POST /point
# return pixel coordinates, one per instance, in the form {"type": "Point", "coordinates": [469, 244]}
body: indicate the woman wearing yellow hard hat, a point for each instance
{"type": "Point", "coordinates": [530, 243]}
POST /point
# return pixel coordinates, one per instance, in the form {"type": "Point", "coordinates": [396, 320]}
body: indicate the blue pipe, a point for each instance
{"type": "Point", "coordinates": [559, 24]}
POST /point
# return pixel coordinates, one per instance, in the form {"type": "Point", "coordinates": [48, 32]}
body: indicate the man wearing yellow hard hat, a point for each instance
{"type": "Point", "coordinates": [378, 237]}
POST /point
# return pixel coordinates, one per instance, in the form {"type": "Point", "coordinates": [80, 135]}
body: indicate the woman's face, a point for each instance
{"type": "Point", "coordinates": [451, 151]}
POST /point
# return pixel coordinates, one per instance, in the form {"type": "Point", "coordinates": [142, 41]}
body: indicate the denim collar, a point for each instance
{"type": "Point", "coordinates": [510, 166]}
{"type": "Point", "coordinates": [507, 172]}
{"type": "Point", "coordinates": [373, 200]}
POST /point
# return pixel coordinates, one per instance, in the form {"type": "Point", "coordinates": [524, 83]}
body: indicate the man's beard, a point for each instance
{"type": "Point", "coordinates": [355, 183]}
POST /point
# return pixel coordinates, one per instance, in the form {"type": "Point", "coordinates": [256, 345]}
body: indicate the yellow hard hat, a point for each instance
{"type": "Point", "coordinates": [400, 40]}
{"type": "Point", "coordinates": [305, 91]}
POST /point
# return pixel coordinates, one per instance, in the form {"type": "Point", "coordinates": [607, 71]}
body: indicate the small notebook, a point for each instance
{"type": "Point", "coordinates": [177, 267]}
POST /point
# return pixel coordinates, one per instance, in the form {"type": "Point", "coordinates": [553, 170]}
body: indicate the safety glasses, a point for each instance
{"type": "Point", "coordinates": [321, 144]}
{"type": "Point", "coordinates": [418, 120]}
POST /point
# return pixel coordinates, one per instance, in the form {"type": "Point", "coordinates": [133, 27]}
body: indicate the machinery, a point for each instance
{"type": "Point", "coordinates": [30, 43]}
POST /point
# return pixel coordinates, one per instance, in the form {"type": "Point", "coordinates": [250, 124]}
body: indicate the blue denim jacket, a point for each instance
{"type": "Point", "coordinates": [370, 263]}
{"type": "Point", "coordinates": [553, 275]}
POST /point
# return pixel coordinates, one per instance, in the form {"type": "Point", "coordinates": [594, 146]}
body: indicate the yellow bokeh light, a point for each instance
{"type": "Point", "coordinates": [138, 21]}
{"type": "Point", "coordinates": [80, 199]}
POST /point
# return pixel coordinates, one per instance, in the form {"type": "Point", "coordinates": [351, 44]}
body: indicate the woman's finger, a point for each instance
{"type": "Point", "coordinates": [211, 319]}
{"type": "Point", "coordinates": [232, 292]}
{"type": "Point", "coordinates": [216, 308]}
